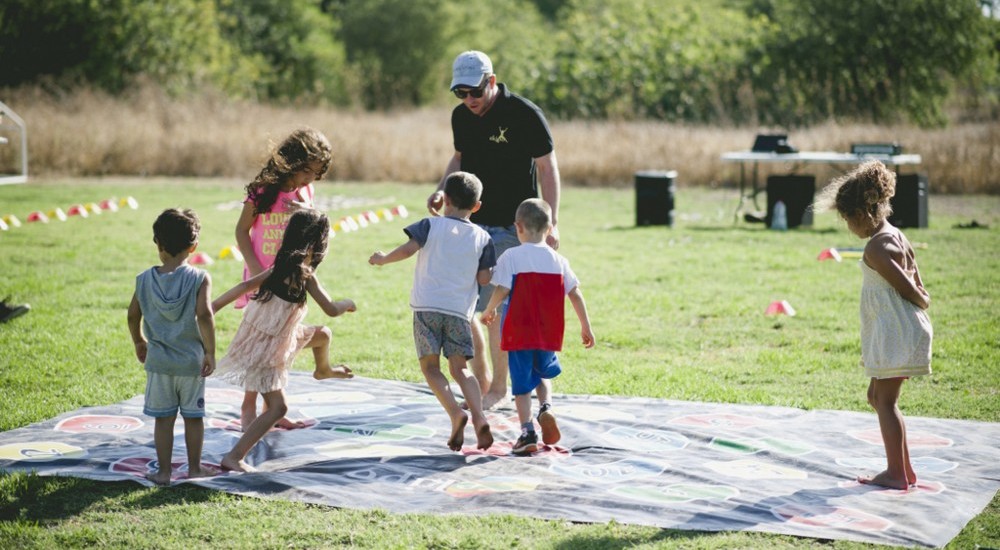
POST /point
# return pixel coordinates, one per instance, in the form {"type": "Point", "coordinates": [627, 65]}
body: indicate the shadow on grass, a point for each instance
{"type": "Point", "coordinates": [747, 228]}
{"type": "Point", "coordinates": [583, 541]}
{"type": "Point", "coordinates": [30, 497]}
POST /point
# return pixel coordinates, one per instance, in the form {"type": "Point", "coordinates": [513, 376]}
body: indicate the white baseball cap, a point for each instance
{"type": "Point", "coordinates": [469, 69]}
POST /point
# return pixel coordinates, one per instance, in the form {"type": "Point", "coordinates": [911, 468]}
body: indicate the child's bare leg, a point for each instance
{"type": "Point", "coordinates": [275, 409]}
{"type": "Point", "coordinates": [163, 439]}
{"type": "Point", "coordinates": [480, 368]}
{"type": "Point", "coordinates": [523, 404]}
{"type": "Point", "coordinates": [911, 476]}
{"type": "Point", "coordinates": [457, 365]}
{"type": "Point", "coordinates": [496, 395]}
{"type": "Point", "coordinates": [430, 365]}
{"type": "Point", "coordinates": [884, 394]}
{"type": "Point", "coordinates": [194, 437]}
{"type": "Point", "coordinates": [320, 344]}
{"type": "Point", "coordinates": [248, 410]}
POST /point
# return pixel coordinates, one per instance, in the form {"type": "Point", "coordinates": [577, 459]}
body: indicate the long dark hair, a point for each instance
{"type": "Point", "coordinates": [304, 147]}
{"type": "Point", "coordinates": [307, 231]}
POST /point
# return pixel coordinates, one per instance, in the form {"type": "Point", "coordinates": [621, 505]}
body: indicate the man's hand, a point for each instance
{"type": "Point", "coordinates": [435, 203]}
{"type": "Point", "coordinates": [552, 239]}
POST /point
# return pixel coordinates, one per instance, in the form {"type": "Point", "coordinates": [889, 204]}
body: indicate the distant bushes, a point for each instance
{"type": "Point", "coordinates": [746, 62]}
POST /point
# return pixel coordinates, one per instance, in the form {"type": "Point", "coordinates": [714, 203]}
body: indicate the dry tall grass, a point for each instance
{"type": "Point", "coordinates": [150, 133]}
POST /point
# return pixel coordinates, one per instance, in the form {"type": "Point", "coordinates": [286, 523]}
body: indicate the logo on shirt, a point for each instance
{"type": "Point", "coordinates": [502, 138]}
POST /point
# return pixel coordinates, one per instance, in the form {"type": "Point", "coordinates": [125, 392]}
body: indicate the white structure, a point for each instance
{"type": "Point", "coordinates": [17, 124]}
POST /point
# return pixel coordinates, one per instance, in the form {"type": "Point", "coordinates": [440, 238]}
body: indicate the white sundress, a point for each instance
{"type": "Point", "coordinates": [265, 345]}
{"type": "Point", "coordinates": [896, 335]}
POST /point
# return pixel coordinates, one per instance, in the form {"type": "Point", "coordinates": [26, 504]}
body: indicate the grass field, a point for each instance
{"type": "Point", "coordinates": [678, 313]}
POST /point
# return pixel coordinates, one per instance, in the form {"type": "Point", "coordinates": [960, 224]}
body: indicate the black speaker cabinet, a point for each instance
{"type": "Point", "coordinates": [909, 204]}
{"type": "Point", "coordinates": [797, 193]}
{"type": "Point", "coordinates": [654, 198]}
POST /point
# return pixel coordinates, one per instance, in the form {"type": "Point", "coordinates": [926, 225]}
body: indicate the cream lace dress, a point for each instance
{"type": "Point", "coordinates": [895, 334]}
{"type": "Point", "coordinates": [265, 345]}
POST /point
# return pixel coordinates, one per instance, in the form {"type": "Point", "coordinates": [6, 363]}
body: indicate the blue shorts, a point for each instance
{"type": "Point", "coordinates": [504, 238]}
{"type": "Point", "coordinates": [165, 394]}
{"type": "Point", "coordinates": [528, 367]}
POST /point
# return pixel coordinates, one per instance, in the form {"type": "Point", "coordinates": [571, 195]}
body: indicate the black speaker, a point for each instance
{"type": "Point", "coordinates": [909, 204]}
{"type": "Point", "coordinates": [654, 198]}
{"type": "Point", "coordinates": [797, 193]}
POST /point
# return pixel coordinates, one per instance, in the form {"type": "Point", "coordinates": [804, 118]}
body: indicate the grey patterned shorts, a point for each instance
{"type": "Point", "coordinates": [433, 331]}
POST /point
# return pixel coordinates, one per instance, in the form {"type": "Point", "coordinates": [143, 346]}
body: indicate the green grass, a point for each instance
{"type": "Point", "coordinates": [678, 314]}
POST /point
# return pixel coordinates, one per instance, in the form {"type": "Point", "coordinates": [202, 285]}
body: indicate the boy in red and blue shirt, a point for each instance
{"type": "Point", "coordinates": [536, 278]}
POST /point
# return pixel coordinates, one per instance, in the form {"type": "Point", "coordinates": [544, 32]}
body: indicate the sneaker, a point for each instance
{"type": "Point", "coordinates": [526, 444]}
{"type": "Point", "coordinates": [550, 429]}
{"type": "Point", "coordinates": [8, 312]}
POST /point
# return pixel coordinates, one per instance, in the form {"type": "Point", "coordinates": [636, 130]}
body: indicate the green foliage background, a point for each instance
{"type": "Point", "coordinates": [777, 62]}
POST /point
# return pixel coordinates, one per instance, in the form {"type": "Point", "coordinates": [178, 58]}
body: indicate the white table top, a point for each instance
{"type": "Point", "coordinates": [818, 157]}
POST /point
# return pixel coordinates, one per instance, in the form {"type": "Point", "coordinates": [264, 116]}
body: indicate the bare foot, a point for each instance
{"type": "Point", "coordinates": [159, 477]}
{"type": "Point", "coordinates": [287, 424]}
{"type": "Point", "coordinates": [911, 478]}
{"type": "Point", "coordinates": [493, 401]}
{"type": "Point", "coordinates": [458, 433]}
{"type": "Point", "coordinates": [550, 430]}
{"type": "Point", "coordinates": [340, 371]}
{"type": "Point", "coordinates": [198, 471]}
{"type": "Point", "coordinates": [247, 417]}
{"type": "Point", "coordinates": [229, 464]}
{"type": "Point", "coordinates": [884, 480]}
{"type": "Point", "coordinates": [484, 438]}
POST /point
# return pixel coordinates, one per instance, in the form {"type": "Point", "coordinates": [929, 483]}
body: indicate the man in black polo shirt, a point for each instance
{"type": "Point", "coordinates": [504, 140]}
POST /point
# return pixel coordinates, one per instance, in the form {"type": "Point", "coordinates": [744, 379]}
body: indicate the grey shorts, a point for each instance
{"type": "Point", "coordinates": [504, 238]}
{"type": "Point", "coordinates": [165, 394]}
{"type": "Point", "coordinates": [434, 332]}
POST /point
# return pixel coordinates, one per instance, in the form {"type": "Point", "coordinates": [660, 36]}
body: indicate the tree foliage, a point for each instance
{"type": "Point", "coordinates": [775, 62]}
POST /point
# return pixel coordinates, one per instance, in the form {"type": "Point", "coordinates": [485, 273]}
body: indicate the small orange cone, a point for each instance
{"type": "Point", "coordinates": [200, 258]}
{"type": "Point", "coordinates": [829, 254]}
{"type": "Point", "coordinates": [400, 211]}
{"type": "Point", "coordinates": [109, 204]}
{"type": "Point", "coordinates": [38, 216]}
{"type": "Point", "coordinates": [77, 210]}
{"type": "Point", "coordinates": [780, 307]}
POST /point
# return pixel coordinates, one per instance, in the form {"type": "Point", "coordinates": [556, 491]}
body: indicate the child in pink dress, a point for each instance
{"type": "Point", "coordinates": [896, 332]}
{"type": "Point", "coordinates": [271, 332]}
{"type": "Point", "coordinates": [282, 187]}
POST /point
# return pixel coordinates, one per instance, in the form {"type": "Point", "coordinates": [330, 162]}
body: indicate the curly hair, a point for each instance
{"type": "Point", "coordinates": [175, 230]}
{"type": "Point", "coordinates": [302, 148]}
{"type": "Point", "coordinates": [864, 191]}
{"type": "Point", "coordinates": [308, 231]}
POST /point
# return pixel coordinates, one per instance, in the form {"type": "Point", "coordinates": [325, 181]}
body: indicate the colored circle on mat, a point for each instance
{"type": "Point", "coordinates": [97, 423]}
{"type": "Point", "coordinates": [41, 451]}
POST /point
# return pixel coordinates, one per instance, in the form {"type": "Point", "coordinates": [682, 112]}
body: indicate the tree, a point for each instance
{"type": "Point", "coordinates": [292, 45]}
{"type": "Point", "coordinates": [878, 60]}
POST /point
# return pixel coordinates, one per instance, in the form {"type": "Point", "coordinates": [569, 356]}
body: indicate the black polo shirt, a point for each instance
{"type": "Point", "coordinates": [500, 148]}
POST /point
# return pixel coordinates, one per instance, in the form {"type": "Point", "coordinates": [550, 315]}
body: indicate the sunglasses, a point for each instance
{"type": "Point", "coordinates": [476, 92]}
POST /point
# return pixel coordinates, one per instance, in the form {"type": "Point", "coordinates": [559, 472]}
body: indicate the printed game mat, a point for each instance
{"type": "Point", "coordinates": [679, 465]}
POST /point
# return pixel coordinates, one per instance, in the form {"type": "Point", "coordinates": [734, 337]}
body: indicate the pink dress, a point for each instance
{"type": "Point", "coordinates": [265, 345]}
{"type": "Point", "coordinates": [268, 229]}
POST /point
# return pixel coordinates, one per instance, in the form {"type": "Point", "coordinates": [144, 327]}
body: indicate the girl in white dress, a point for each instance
{"type": "Point", "coordinates": [896, 332]}
{"type": "Point", "coordinates": [271, 332]}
